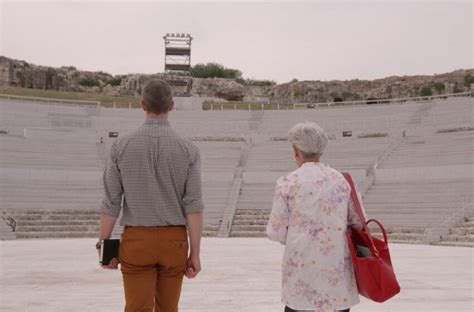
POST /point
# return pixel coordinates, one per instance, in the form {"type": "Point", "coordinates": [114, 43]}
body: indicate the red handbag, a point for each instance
{"type": "Point", "coordinates": [373, 269]}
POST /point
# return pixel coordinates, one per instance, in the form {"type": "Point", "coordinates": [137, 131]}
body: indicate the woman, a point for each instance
{"type": "Point", "coordinates": [312, 208]}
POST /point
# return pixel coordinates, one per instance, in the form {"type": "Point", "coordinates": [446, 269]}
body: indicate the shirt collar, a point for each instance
{"type": "Point", "coordinates": [157, 121]}
{"type": "Point", "coordinates": [311, 163]}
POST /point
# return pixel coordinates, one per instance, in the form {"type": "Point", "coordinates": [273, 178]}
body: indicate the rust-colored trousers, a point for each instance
{"type": "Point", "coordinates": [153, 261]}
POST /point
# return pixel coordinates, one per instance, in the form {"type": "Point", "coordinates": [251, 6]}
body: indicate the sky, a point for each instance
{"type": "Point", "coordinates": [276, 40]}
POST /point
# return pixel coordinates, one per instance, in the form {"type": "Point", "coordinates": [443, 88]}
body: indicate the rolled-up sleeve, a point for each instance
{"type": "Point", "coordinates": [277, 227]}
{"type": "Point", "coordinates": [192, 199]}
{"type": "Point", "coordinates": [113, 188]}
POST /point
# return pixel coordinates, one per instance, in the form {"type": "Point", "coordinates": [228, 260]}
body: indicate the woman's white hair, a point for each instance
{"type": "Point", "coordinates": [309, 138]}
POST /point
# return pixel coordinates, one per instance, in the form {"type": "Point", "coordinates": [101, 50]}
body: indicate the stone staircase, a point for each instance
{"type": "Point", "coordinates": [253, 223]}
{"type": "Point", "coordinates": [6, 230]}
{"type": "Point", "coordinates": [43, 224]}
{"type": "Point", "coordinates": [210, 230]}
{"type": "Point", "coordinates": [56, 223]}
{"type": "Point", "coordinates": [462, 235]}
{"type": "Point", "coordinates": [401, 235]}
{"type": "Point", "coordinates": [250, 223]}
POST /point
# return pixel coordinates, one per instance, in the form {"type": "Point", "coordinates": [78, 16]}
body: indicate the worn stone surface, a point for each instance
{"type": "Point", "coordinates": [67, 78]}
{"type": "Point", "coordinates": [238, 275]}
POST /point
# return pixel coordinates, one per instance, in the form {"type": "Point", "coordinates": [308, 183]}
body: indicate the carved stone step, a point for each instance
{"type": "Point", "coordinates": [247, 234]}
{"type": "Point", "coordinates": [29, 235]}
{"type": "Point", "coordinates": [58, 228]}
{"type": "Point", "coordinates": [458, 238]}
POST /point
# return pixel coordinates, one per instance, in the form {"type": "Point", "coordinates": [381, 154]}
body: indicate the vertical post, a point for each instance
{"type": "Point", "coordinates": [261, 105]}
{"type": "Point", "coordinates": [249, 107]}
{"type": "Point", "coordinates": [278, 106]}
{"type": "Point", "coordinates": [129, 105]}
{"type": "Point", "coordinates": [222, 106]}
{"type": "Point", "coordinates": [235, 106]}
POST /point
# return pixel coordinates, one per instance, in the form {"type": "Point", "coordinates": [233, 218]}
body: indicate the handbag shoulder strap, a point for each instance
{"type": "Point", "coordinates": [358, 209]}
{"type": "Point", "coordinates": [355, 198]}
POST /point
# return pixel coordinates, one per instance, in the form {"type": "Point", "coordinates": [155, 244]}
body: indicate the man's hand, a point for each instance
{"type": "Point", "coordinates": [113, 264]}
{"type": "Point", "coordinates": [193, 266]}
{"type": "Point", "coordinates": [106, 226]}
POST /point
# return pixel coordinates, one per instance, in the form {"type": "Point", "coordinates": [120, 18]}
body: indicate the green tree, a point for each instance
{"type": "Point", "coordinates": [214, 70]}
{"type": "Point", "coordinates": [115, 81]}
{"type": "Point", "coordinates": [456, 89]}
{"type": "Point", "coordinates": [21, 77]}
{"type": "Point", "coordinates": [426, 91]}
{"type": "Point", "coordinates": [350, 96]}
{"type": "Point", "coordinates": [439, 87]}
{"type": "Point", "coordinates": [468, 79]}
{"type": "Point", "coordinates": [89, 82]}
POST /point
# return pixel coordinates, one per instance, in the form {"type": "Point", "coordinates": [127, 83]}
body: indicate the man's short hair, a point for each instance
{"type": "Point", "coordinates": [157, 96]}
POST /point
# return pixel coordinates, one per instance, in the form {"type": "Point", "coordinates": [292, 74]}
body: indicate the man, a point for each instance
{"type": "Point", "coordinates": [154, 175]}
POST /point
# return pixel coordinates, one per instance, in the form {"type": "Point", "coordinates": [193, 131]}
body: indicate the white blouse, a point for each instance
{"type": "Point", "coordinates": [312, 208]}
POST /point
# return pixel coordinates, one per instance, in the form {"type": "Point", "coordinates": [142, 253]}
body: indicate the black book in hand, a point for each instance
{"type": "Point", "coordinates": [109, 249]}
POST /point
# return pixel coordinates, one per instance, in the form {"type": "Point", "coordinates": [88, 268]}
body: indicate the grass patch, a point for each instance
{"type": "Point", "coordinates": [459, 129]}
{"type": "Point", "coordinates": [372, 135]}
{"type": "Point", "coordinates": [105, 100]}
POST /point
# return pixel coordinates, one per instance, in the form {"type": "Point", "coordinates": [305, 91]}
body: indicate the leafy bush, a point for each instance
{"type": "Point", "coordinates": [372, 100]}
{"type": "Point", "coordinates": [255, 82]}
{"type": "Point", "coordinates": [115, 81]}
{"type": "Point", "coordinates": [89, 82]}
{"type": "Point", "coordinates": [350, 96]}
{"type": "Point", "coordinates": [22, 79]}
{"type": "Point", "coordinates": [468, 79]}
{"type": "Point", "coordinates": [60, 79]}
{"type": "Point", "coordinates": [214, 70]}
{"type": "Point", "coordinates": [456, 89]}
{"type": "Point", "coordinates": [439, 87]}
{"type": "Point", "coordinates": [426, 91]}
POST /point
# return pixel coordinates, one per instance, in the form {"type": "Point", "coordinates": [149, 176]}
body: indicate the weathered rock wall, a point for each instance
{"type": "Point", "coordinates": [68, 78]}
{"type": "Point", "coordinates": [391, 87]}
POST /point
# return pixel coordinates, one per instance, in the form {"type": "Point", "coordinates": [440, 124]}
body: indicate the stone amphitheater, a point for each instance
{"type": "Point", "coordinates": [413, 161]}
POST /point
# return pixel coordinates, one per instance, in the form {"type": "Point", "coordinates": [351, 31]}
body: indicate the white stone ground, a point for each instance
{"type": "Point", "coordinates": [240, 274]}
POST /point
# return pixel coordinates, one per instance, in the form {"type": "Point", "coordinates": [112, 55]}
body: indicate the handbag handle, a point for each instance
{"type": "Point", "coordinates": [381, 229]}
{"type": "Point", "coordinates": [358, 208]}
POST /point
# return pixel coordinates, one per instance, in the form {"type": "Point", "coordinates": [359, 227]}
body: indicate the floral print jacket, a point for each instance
{"type": "Point", "coordinates": [312, 208]}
